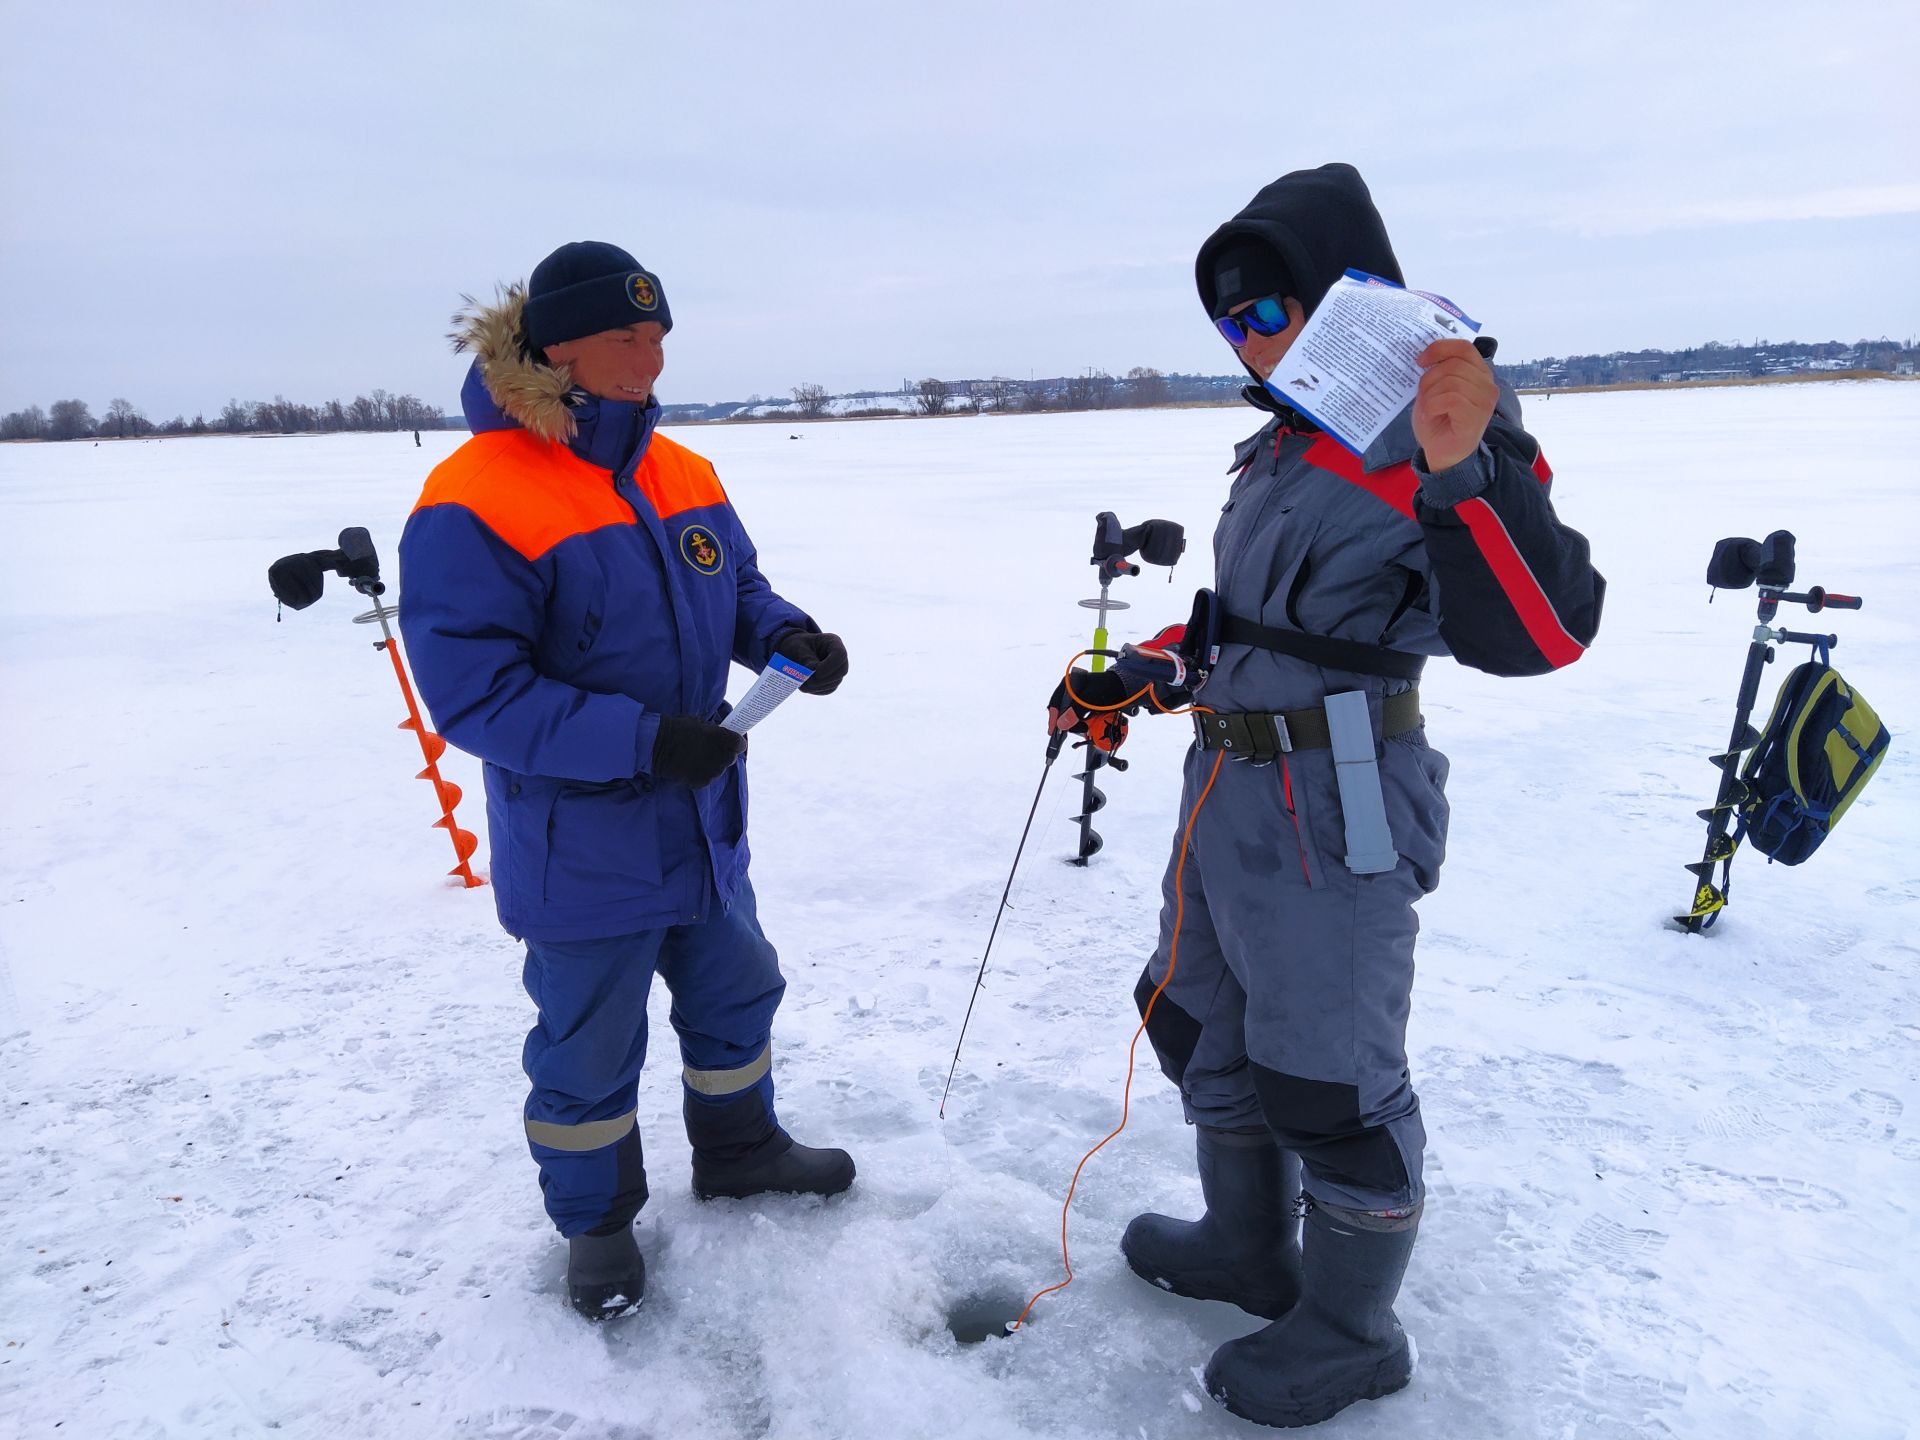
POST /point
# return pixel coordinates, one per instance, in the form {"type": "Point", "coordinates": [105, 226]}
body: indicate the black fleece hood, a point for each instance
{"type": "Point", "coordinates": [1320, 223]}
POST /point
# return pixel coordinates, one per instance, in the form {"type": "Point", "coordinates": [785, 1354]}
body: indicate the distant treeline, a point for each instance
{"type": "Point", "coordinates": [74, 420]}
{"type": "Point", "coordinates": [1141, 386]}
{"type": "Point", "coordinates": [1091, 390]}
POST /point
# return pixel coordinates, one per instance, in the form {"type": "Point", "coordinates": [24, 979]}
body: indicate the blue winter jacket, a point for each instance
{"type": "Point", "coordinates": [558, 596]}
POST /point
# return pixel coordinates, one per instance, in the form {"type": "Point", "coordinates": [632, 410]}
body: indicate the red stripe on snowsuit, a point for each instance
{"type": "Point", "coordinates": [1516, 577]}
{"type": "Point", "coordinates": [1395, 485]}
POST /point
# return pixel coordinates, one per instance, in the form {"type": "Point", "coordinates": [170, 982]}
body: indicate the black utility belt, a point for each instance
{"type": "Point", "coordinates": [1252, 735]}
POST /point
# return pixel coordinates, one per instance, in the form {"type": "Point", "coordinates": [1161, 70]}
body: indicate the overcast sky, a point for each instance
{"type": "Point", "coordinates": [200, 201]}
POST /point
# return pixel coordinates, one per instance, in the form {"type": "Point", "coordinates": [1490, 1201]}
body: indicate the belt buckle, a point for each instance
{"type": "Point", "coordinates": [1221, 734]}
{"type": "Point", "coordinates": [1275, 725]}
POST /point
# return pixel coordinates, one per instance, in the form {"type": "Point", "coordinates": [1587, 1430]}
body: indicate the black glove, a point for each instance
{"type": "Point", "coordinates": [693, 752]}
{"type": "Point", "coordinates": [821, 653]}
{"type": "Point", "coordinates": [1158, 663]}
{"type": "Point", "coordinates": [1104, 728]}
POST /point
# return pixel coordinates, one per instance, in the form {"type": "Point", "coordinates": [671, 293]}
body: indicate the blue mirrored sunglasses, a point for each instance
{"type": "Point", "coordinates": [1266, 316]}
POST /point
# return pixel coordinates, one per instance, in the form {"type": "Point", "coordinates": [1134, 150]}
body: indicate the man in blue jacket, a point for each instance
{"type": "Point", "coordinates": [574, 587]}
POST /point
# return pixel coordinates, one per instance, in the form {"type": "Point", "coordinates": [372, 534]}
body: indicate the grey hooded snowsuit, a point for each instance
{"type": "Point", "coordinates": [1289, 999]}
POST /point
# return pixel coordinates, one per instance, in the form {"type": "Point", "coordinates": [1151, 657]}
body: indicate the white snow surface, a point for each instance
{"type": "Point", "coordinates": [264, 1168]}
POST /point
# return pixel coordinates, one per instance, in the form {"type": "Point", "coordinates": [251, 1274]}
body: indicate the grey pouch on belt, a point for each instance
{"type": "Point", "coordinates": [1369, 842]}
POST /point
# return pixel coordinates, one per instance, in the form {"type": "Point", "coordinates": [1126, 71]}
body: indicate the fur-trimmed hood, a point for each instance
{"type": "Point", "coordinates": [528, 391]}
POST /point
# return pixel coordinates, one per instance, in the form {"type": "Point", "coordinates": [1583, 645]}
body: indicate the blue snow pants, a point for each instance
{"type": "Point", "coordinates": [584, 1056]}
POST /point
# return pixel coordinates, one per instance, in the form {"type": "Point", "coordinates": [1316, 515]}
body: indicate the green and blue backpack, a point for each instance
{"type": "Point", "coordinates": [1820, 747]}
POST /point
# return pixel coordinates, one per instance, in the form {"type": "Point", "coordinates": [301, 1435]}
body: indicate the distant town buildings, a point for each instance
{"type": "Point", "coordinates": [1712, 361]}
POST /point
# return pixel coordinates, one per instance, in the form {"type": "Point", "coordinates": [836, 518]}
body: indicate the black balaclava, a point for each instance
{"type": "Point", "coordinates": [1313, 226]}
{"type": "Point", "coordinates": [1247, 269]}
{"type": "Point", "coordinates": [1297, 237]}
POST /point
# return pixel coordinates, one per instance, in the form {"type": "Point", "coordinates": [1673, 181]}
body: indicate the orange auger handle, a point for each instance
{"type": "Point", "coordinates": [433, 747]}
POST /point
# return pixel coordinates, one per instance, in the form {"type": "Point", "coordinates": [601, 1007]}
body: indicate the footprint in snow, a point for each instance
{"type": "Point", "coordinates": [1594, 1132]}
{"type": "Point", "coordinates": [1807, 1069]}
{"type": "Point", "coordinates": [545, 1425]}
{"type": "Point", "coordinates": [1739, 1122]}
{"type": "Point", "coordinates": [1614, 1245]}
{"type": "Point", "coordinates": [1878, 1103]}
{"type": "Point", "coordinates": [1709, 1185]}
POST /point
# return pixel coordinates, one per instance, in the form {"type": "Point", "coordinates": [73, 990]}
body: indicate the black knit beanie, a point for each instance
{"type": "Point", "coordinates": [588, 286]}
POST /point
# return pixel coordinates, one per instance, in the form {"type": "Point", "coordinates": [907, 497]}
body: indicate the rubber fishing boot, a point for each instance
{"type": "Point", "coordinates": [739, 1151]}
{"type": "Point", "coordinates": [1342, 1342]}
{"type": "Point", "coordinates": [605, 1275]}
{"type": "Point", "coordinates": [1245, 1250]}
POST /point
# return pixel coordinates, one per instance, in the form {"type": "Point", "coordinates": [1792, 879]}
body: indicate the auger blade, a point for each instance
{"type": "Point", "coordinates": [1096, 799]}
{"type": "Point", "coordinates": [1700, 869]}
{"type": "Point", "coordinates": [431, 745]}
{"type": "Point", "coordinates": [450, 794]}
{"type": "Point", "coordinates": [1707, 901]}
{"type": "Point", "coordinates": [464, 841]}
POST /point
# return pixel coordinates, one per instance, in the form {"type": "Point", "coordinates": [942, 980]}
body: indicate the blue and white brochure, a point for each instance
{"type": "Point", "coordinates": [1353, 368]}
{"type": "Point", "coordinates": [779, 680]}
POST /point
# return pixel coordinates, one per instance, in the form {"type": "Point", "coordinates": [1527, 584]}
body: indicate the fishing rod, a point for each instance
{"type": "Point", "coordinates": [1053, 753]}
{"type": "Point", "coordinates": [1158, 542]}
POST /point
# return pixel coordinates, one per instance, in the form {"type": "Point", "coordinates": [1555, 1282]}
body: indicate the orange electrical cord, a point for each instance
{"type": "Point", "coordinates": [1173, 958]}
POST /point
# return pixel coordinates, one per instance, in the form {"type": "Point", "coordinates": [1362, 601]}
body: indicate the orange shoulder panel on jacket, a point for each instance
{"type": "Point", "coordinates": [674, 478]}
{"type": "Point", "coordinates": [532, 493]}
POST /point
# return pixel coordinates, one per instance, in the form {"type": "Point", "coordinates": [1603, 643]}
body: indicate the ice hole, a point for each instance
{"type": "Point", "coordinates": [984, 1317]}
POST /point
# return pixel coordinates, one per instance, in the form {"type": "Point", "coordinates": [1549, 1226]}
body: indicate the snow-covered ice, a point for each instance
{"type": "Point", "coordinates": [263, 1159]}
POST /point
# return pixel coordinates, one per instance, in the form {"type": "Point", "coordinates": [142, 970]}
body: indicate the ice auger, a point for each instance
{"type": "Point", "coordinates": [1737, 563]}
{"type": "Point", "coordinates": [298, 581]}
{"type": "Point", "coordinates": [1158, 542]}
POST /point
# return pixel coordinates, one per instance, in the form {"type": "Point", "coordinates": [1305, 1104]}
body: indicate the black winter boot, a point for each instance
{"type": "Point", "coordinates": [1245, 1249]}
{"type": "Point", "coordinates": [738, 1151]}
{"type": "Point", "coordinates": [1342, 1342]}
{"type": "Point", "coordinates": [605, 1275]}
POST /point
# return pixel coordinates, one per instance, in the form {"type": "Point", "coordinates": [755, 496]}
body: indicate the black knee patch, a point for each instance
{"type": "Point", "coordinates": [1172, 1032]}
{"type": "Point", "coordinates": [1320, 1121]}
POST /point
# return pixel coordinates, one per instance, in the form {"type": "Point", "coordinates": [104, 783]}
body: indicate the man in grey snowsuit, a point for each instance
{"type": "Point", "coordinates": [1284, 1018]}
